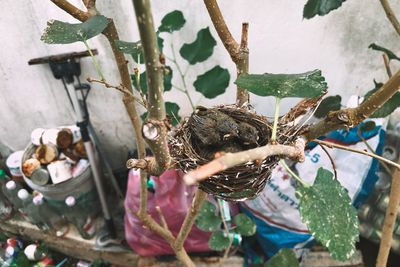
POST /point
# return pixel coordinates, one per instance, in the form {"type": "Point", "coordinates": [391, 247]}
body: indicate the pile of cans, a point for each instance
{"type": "Point", "coordinates": [58, 156]}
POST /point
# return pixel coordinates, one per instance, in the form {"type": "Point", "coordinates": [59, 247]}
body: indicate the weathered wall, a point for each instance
{"type": "Point", "coordinates": [280, 41]}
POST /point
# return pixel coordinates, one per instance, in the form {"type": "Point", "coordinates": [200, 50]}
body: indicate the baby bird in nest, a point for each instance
{"type": "Point", "coordinates": [248, 134]}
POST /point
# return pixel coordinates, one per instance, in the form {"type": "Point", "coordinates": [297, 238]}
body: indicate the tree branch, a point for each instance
{"type": "Point", "coordinates": [350, 117]}
{"type": "Point", "coordinates": [238, 54]}
{"type": "Point", "coordinates": [154, 72]}
{"type": "Point", "coordinates": [71, 9]}
{"type": "Point", "coordinates": [229, 160]}
{"type": "Point", "coordinates": [390, 15]}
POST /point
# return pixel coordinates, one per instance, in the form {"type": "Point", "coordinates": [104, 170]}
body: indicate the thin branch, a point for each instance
{"type": "Point", "coordinates": [230, 160]}
{"type": "Point", "coordinates": [390, 15]}
{"type": "Point", "coordinates": [71, 9]}
{"type": "Point", "coordinates": [350, 117]}
{"type": "Point", "coordinates": [242, 65]}
{"type": "Point", "coordinates": [387, 65]}
{"type": "Point", "coordinates": [154, 74]}
{"type": "Point", "coordinates": [120, 88]}
{"type": "Point", "coordinates": [330, 159]}
{"type": "Point", "coordinates": [162, 218]}
{"type": "Point", "coordinates": [363, 152]}
{"type": "Point", "coordinates": [226, 228]}
{"type": "Point", "coordinates": [390, 220]}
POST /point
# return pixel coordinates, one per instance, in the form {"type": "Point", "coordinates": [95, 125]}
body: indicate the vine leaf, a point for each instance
{"type": "Point", "coordinates": [388, 107]}
{"type": "Point", "coordinates": [207, 219]}
{"type": "Point", "coordinates": [331, 103]}
{"type": "Point", "coordinates": [213, 82]}
{"type": "Point", "coordinates": [218, 241]}
{"type": "Point", "coordinates": [172, 110]}
{"type": "Point", "coordinates": [309, 84]}
{"type": "Point", "coordinates": [285, 257]}
{"type": "Point", "coordinates": [132, 48]}
{"type": "Point", "coordinates": [201, 49]}
{"type": "Point", "coordinates": [389, 53]}
{"type": "Point", "coordinates": [143, 84]}
{"type": "Point", "coordinates": [58, 32]}
{"type": "Point", "coordinates": [320, 7]}
{"type": "Point", "coordinates": [173, 21]}
{"type": "Point", "coordinates": [244, 225]}
{"type": "Point", "coordinates": [326, 209]}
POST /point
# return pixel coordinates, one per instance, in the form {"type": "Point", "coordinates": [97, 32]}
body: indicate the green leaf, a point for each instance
{"type": "Point", "coordinates": [309, 84]}
{"type": "Point", "coordinates": [207, 219]}
{"type": "Point", "coordinates": [218, 241]}
{"type": "Point", "coordinates": [201, 49]}
{"type": "Point", "coordinates": [326, 209]}
{"type": "Point", "coordinates": [389, 53]}
{"type": "Point", "coordinates": [58, 32]}
{"type": "Point", "coordinates": [167, 78]}
{"type": "Point", "coordinates": [367, 126]}
{"type": "Point", "coordinates": [132, 48]}
{"type": "Point", "coordinates": [331, 103]}
{"type": "Point", "coordinates": [320, 7]}
{"type": "Point", "coordinates": [244, 225]}
{"type": "Point", "coordinates": [173, 21]}
{"type": "Point", "coordinates": [284, 258]}
{"type": "Point", "coordinates": [143, 83]}
{"type": "Point", "coordinates": [213, 82]}
{"type": "Point", "coordinates": [172, 110]}
{"type": "Point", "coordinates": [388, 107]}
{"type": "Point", "coordinates": [160, 42]}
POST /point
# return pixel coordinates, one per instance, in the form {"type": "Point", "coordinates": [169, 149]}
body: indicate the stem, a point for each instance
{"type": "Point", "coordinates": [182, 75]}
{"type": "Point", "coordinates": [226, 228]}
{"type": "Point", "coordinates": [294, 175]}
{"type": "Point", "coordinates": [276, 118]}
{"type": "Point", "coordinates": [95, 63]}
{"type": "Point", "coordinates": [390, 15]}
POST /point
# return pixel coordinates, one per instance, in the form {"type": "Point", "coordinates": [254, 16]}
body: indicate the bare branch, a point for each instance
{"type": "Point", "coordinates": [162, 218]}
{"type": "Point", "coordinates": [71, 9]}
{"type": "Point", "coordinates": [387, 65]}
{"type": "Point", "coordinates": [330, 159]}
{"type": "Point", "coordinates": [230, 160]}
{"type": "Point", "coordinates": [242, 65]}
{"type": "Point", "coordinates": [390, 15]}
{"type": "Point", "coordinates": [363, 152]}
{"type": "Point", "coordinates": [350, 117]}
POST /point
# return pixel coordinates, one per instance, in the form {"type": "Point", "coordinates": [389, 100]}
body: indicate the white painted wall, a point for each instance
{"type": "Point", "coordinates": [280, 41]}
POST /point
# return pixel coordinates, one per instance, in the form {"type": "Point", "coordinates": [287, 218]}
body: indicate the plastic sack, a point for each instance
{"type": "Point", "coordinates": [276, 209]}
{"type": "Point", "coordinates": [174, 198]}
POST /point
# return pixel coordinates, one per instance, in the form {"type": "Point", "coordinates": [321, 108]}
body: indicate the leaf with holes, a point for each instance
{"type": "Point", "coordinates": [207, 219]}
{"type": "Point", "coordinates": [309, 84]}
{"type": "Point", "coordinates": [173, 21]}
{"type": "Point", "coordinates": [172, 110]}
{"type": "Point", "coordinates": [320, 7]}
{"type": "Point", "coordinates": [218, 241]}
{"type": "Point", "coordinates": [143, 83]}
{"type": "Point", "coordinates": [132, 48]}
{"type": "Point", "coordinates": [58, 32]}
{"type": "Point", "coordinates": [331, 103]}
{"type": "Point", "coordinates": [325, 207]}
{"type": "Point", "coordinates": [201, 49]}
{"type": "Point", "coordinates": [389, 53]}
{"type": "Point", "coordinates": [391, 105]}
{"type": "Point", "coordinates": [213, 82]}
{"type": "Point", "coordinates": [244, 225]}
{"type": "Point", "coordinates": [284, 258]}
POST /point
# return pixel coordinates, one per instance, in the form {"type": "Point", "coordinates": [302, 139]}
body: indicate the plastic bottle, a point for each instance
{"type": "Point", "coordinates": [50, 218]}
{"type": "Point", "coordinates": [5, 205]}
{"type": "Point", "coordinates": [77, 215]}
{"type": "Point", "coordinates": [29, 210]}
{"type": "Point", "coordinates": [10, 190]}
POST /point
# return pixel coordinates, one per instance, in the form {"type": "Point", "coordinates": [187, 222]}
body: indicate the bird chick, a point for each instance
{"type": "Point", "coordinates": [248, 134]}
{"type": "Point", "coordinates": [225, 125]}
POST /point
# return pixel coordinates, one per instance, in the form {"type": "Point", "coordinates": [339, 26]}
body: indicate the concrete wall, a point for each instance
{"type": "Point", "coordinates": [280, 41]}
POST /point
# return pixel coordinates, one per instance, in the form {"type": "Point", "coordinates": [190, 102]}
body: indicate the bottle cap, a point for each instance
{"type": "Point", "coordinates": [70, 201]}
{"type": "Point", "coordinates": [23, 194]}
{"type": "Point", "coordinates": [11, 185]}
{"type": "Point", "coordinates": [38, 200]}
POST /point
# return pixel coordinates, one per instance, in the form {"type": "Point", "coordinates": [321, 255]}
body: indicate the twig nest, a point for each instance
{"type": "Point", "coordinates": [210, 132]}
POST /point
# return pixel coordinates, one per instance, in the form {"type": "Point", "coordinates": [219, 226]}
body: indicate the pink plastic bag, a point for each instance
{"type": "Point", "coordinates": [174, 198]}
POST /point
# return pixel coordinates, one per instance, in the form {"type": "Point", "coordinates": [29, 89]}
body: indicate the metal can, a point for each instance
{"type": "Point", "coordinates": [64, 138]}
{"type": "Point", "coordinates": [40, 176]}
{"type": "Point", "coordinates": [59, 171]}
{"type": "Point", "coordinates": [46, 153]}
{"type": "Point", "coordinates": [29, 166]}
{"type": "Point", "coordinates": [13, 163]}
{"type": "Point", "coordinates": [49, 136]}
{"type": "Point", "coordinates": [36, 136]}
{"type": "Point", "coordinates": [76, 132]}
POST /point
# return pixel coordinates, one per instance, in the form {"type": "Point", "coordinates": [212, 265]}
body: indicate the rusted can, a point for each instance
{"type": "Point", "coordinates": [29, 166]}
{"type": "Point", "coordinates": [46, 153]}
{"type": "Point", "coordinates": [64, 138]}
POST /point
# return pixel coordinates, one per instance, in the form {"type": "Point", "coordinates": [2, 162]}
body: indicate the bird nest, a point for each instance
{"type": "Point", "coordinates": [227, 128]}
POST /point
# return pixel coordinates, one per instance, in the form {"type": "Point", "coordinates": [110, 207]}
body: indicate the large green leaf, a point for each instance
{"type": "Point", "coordinates": [284, 258]}
{"type": "Point", "coordinates": [389, 53]}
{"type": "Point", "coordinates": [213, 82]}
{"type": "Point", "coordinates": [320, 7]}
{"type": "Point", "coordinates": [326, 209]}
{"type": "Point", "coordinates": [244, 225]}
{"type": "Point", "coordinates": [173, 21]}
{"type": "Point", "coordinates": [207, 219]}
{"type": "Point", "coordinates": [331, 103]}
{"type": "Point", "coordinates": [58, 32]}
{"type": "Point", "coordinates": [218, 241]}
{"type": "Point", "coordinates": [172, 110]}
{"type": "Point", "coordinates": [201, 49]}
{"type": "Point", "coordinates": [132, 48]}
{"type": "Point", "coordinates": [143, 83]}
{"type": "Point", "coordinates": [309, 84]}
{"type": "Point", "coordinates": [388, 107]}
